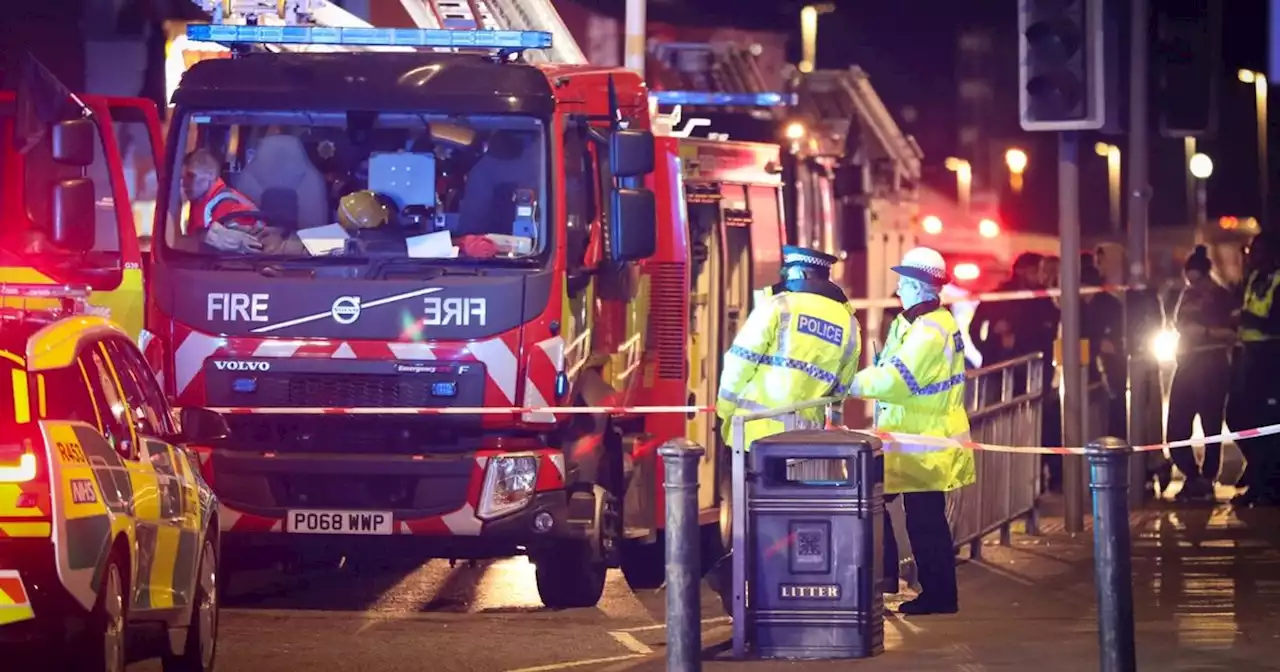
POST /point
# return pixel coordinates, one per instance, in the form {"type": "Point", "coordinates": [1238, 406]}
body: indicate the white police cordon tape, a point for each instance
{"type": "Point", "coordinates": [893, 441]}
{"type": "Point", "coordinates": [893, 302]}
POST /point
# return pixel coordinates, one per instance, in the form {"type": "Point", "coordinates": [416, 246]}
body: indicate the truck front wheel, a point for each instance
{"type": "Point", "coordinates": [571, 576]}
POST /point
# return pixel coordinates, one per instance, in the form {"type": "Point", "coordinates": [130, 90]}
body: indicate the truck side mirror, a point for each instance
{"type": "Point", "coordinates": [633, 231]}
{"type": "Point", "coordinates": [72, 219]}
{"type": "Point", "coordinates": [73, 142]}
{"type": "Point", "coordinates": [848, 181]}
{"type": "Point", "coordinates": [201, 425]}
{"type": "Point", "coordinates": [631, 153]}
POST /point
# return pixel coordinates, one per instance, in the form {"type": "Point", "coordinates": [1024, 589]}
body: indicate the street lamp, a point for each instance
{"type": "Point", "coordinates": [1016, 160]}
{"type": "Point", "coordinates": [964, 181]}
{"type": "Point", "coordinates": [1201, 167]}
{"type": "Point", "coordinates": [809, 33]}
{"type": "Point", "coordinates": [1112, 154]}
{"type": "Point", "coordinates": [1259, 82]}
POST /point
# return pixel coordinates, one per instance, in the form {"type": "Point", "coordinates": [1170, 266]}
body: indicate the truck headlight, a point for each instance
{"type": "Point", "coordinates": [508, 484]}
{"type": "Point", "coordinates": [1164, 345]}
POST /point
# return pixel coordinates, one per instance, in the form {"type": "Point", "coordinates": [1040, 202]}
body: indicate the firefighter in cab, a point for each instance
{"type": "Point", "coordinates": [918, 384]}
{"type": "Point", "coordinates": [1255, 391]}
{"type": "Point", "coordinates": [799, 344]}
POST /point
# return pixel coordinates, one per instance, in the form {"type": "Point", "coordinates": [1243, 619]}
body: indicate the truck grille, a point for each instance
{"type": "Point", "coordinates": [353, 435]}
{"type": "Point", "coordinates": [331, 390]}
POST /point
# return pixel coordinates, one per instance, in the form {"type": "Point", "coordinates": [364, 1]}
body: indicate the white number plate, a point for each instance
{"type": "Point", "coordinates": [308, 521]}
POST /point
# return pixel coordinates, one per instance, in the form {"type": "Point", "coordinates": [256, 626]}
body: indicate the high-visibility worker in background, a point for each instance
{"type": "Point", "coordinates": [918, 384]}
{"type": "Point", "coordinates": [800, 344]}
{"type": "Point", "coordinates": [1255, 389]}
{"type": "Point", "coordinates": [213, 206]}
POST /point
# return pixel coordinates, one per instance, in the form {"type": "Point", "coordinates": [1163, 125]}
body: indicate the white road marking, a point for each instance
{"type": "Point", "coordinates": [577, 663]}
{"type": "Point", "coordinates": [629, 640]}
{"type": "Point", "coordinates": [663, 626]}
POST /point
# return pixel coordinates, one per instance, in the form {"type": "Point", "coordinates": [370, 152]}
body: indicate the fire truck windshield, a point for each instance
{"type": "Point", "coordinates": [358, 186]}
{"type": "Point", "coordinates": [27, 183]}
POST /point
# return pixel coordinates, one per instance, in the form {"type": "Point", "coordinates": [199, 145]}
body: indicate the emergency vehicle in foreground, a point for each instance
{"type": "Point", "coordinates": [385, 392]}
{"type": "Point", "coordinates": [108, 533]}
{"type": "Point", "coordinates": [69, 170]}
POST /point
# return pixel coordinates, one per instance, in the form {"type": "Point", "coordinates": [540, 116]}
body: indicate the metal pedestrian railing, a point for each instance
{"type": "Point", "coordinates": [1005, 402]}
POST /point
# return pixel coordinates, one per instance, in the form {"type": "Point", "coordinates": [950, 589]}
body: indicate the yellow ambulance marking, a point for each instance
{"type": "Point", "coordinates": [9, 494]}
{"type": "Point", "coordinates": [15, 606]}
{"type": "Point", "coordinates": [13, 358]}
{"type": "Point", "coordinates": [37, 529]}
{"type": "Point", "coordinates": [123, 304]}
{"type": "Point", "coordinates": [162, 566]}
{"type": "Point", "coordinates": [21, 400]}
{"type": "Point", "coordinates": [57, 345]}
{"type": "Point", "coordinates": [41, 398]}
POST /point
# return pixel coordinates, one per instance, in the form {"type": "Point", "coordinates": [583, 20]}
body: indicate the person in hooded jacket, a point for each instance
{"type": "Point", "coordinates": [918, 382]}
{"type": "Point", "coordinates": [1202, 315]}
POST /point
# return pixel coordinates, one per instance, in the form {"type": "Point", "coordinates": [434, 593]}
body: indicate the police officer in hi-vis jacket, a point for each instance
{"type": "Point", "coordinates": [918, 384]}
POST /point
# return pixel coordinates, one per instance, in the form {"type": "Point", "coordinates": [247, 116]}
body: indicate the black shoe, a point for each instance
{"type": "Point", "coordinates": [923, 606]}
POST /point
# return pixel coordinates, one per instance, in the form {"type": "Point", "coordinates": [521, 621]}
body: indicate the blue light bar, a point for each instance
{"type": "Point", "coordinates": [710, 99]}
{"type": "Point", "coordinates": [370, 37]}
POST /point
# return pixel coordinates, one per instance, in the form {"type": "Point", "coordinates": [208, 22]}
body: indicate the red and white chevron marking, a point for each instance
{"type": "Point", "coordinates": [498, 354]}
{"type": "Point", "coordinates": [461, 522]}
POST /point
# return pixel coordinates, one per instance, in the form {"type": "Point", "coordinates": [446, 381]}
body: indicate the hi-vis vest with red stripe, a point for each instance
{"type": "Point", "coordinates": [918, 382]}
{"type": "Point", "coordinates": [795, 346]}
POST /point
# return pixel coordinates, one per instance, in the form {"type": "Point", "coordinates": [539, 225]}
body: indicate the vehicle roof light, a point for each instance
{"type": "Point", "coordinates": [713, 99]}
{"type": "Point", "coordinates": [370, 37]}
{"type": "Point", "coordinates": [34, 291]}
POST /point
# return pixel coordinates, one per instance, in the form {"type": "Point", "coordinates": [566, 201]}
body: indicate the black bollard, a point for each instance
{"type": "Point", "coordinates": [684, 601]}
{"type": "Point", "coordinates": [1109, 459]}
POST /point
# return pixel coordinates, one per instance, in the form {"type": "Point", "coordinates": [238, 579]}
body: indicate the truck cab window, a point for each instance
{"type": "Point", "coordinates": [580, 194]}
{"type": "Point", "coordinates": [300, 184]}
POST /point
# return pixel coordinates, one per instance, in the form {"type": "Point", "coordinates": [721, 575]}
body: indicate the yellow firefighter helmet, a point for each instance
{"type": "Point", "coordinates": [361, 210]}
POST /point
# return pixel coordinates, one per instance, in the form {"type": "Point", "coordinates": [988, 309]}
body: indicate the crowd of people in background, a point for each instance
{"type": "Point", "coordinates": [1214, 378]}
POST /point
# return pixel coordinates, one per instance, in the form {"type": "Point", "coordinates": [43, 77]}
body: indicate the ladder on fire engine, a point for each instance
{"type": "Point", "coordinates": [837, 96]}
{"type": "Point", "coordinates": [527, 15]}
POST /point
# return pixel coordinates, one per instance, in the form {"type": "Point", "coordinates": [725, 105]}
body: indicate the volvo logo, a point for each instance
{"type": "Point", "coordinates": [242, 366]}
{"type": "Point", "coordinates": [346, 309]}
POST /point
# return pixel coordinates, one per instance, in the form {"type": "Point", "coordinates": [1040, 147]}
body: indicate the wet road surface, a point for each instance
{"type": "Point", "coordinates": [1206, 585]}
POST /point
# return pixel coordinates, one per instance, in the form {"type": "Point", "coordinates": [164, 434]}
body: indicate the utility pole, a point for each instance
{"type": "Point", "coordinates": [1139, 195]}
{"type": "Point", "coordinates": [1072, 374]}
{"type": "Point", "coordinates": [634, 47]}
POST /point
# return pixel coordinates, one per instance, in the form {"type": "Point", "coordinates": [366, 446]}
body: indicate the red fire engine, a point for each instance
{"type": "Point", "coordinates": [401, 385]}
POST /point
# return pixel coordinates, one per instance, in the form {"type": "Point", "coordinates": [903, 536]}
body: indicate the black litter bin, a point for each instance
{"type": "Point", "coordinates": [815, 503]}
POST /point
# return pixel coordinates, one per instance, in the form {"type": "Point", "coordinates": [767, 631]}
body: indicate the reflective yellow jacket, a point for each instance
{"type": "Point", "coordinates": [918, 383]}
{"type": "Point", "coordinates": [795, 346]}
{"type": "Point", "coordinates": [1258, 319]}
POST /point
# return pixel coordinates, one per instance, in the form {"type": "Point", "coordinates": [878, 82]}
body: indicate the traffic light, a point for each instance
{"type": "Point", "coordinates": [1062, 69]}
{"type": "Point", "coordinates": [1188, 47]}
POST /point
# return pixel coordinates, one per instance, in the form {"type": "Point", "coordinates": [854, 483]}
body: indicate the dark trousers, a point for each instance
{"type": "Point", "coordinates": [1199, 388]}
{"type": "Point", "coordinates": [1051, 435]}
{"type": "Point", "coordinates": [1255, 402]}
{"type": "Point", "coordinates": [931, 544]}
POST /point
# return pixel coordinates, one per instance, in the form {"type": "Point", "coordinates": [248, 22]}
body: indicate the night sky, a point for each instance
{"type": "Point", "coordinates": [909, 49]}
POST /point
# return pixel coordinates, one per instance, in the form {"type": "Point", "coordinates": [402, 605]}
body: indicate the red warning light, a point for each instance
{"type": "Point", "coordinates": [988, 228]}
{"type": "Point", "coordinates": [932, 225]}
{"type": "Point", "coordinates": [966, 271]}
